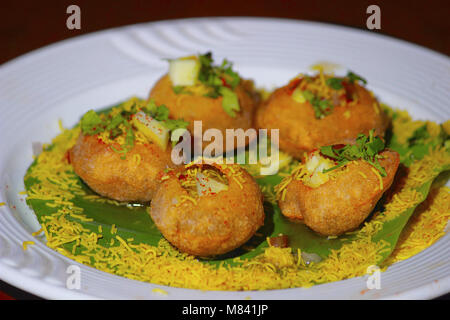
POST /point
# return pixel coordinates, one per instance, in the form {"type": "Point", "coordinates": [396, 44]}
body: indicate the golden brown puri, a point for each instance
{"type": "Point", "coordinates": [216, 223]}
{"type": "Point", "coordinates": [301, 131]}
{"type": "Point", "coordinates": [191, 107]}
{"type": "Point", "coordinates": [134, 178]}
{"type": "Point", "coordinates": [343, 203]}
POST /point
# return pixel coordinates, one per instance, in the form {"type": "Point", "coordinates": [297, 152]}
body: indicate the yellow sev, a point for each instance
{"type": "Point", "coordinates": [425, 227]}
{"type": "Point", "coordinates": [276, 268]}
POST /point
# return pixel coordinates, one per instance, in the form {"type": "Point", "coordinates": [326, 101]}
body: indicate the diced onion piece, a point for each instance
{"type": "Point", "coordinates": [184, 71]}
{"type": "Point", "coordinates": [315, 165]}
{"type": "Point", "coordinates": [153, 129]}
{"type": "Point", "coordinates": [206, 186]}
{"type": "Point", "coordinates": [310, 257]}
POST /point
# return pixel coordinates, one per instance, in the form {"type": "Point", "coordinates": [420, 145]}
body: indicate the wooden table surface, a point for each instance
{"type": "Point", "coordinates": [28, 25]}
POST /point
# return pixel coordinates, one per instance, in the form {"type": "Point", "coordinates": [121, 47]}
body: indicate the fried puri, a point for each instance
{"type": "Point", "coordinates": [197, 107]}
{"type": "Point", "coordinates": [210, 224]}
{"type": "Point", "coordinates": [134, 178]}
{"type": "Point", "coordinates": [342, 203]}
{"type": "Point", "coordinates": [301, 131]}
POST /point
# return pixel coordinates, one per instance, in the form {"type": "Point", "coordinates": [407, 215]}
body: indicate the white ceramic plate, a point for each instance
{"type": "Point", "coordinates": [64, 80]}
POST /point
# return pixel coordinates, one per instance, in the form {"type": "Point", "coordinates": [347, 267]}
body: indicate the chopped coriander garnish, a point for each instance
{"type": "Point", "coordinates": [334, 83]}
{"type": "Point", "coordinates": [221, 80]}
{"type": "Point", "coordinates": [179, 89]}
{"type": "Point", "coordinates": [366, 148]}
{"type": "Point", "coordinates": [419, 135]}
{"type": "Point", "coordinates": [91, 123]}
{"type": "Point", "coordinates": [322, 107]}
{"type": "Point", "coordinates": [115, 132]}
{"type": "Point", "coordinates": [115, 122]}
{"type": "Point", "coordinates": [173, 124]}
{"type": "Point", "coordinates": [230, 101]}
{"type": "Point", "coordinates": [161, 113]}
{"type": "Point", "coordinates": [353, 77]}
{"type": "Point", "coordinates": [231, 77]}
{"type": "Point", "coordinates": [120, 124]}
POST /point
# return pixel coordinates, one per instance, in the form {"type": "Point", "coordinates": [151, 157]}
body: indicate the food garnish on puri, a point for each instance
{"type": "Point", "coordinates": [208, 209]}
{"type": "Point", "coordinates": [320, 110]}
{"type": "Point", "coordinates": [120, 154]}
{"type": "Point", "coordinates": [195, 89]}
{"type": "Point", "coordinates": [336, 187]}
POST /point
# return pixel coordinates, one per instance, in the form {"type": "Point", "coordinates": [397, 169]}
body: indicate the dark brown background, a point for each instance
{"type": "Point", "coordinates": [28, 25]}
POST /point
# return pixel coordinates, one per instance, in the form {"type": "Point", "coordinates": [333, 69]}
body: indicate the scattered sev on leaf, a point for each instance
{"type": "Point", "coordinates": [425, 227]}
{"type": "Point", "coordinates": [66, 231]}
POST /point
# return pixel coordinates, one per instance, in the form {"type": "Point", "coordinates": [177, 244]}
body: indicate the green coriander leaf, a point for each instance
{"type": "Point", "coordinates": [351, 152]}
{"type": "Point", "coordinates": [334, 83]}
{"type": "Point", "coordinates": [212, 94]}
{"type": "Point", "coordinates": [206, 59]}
{"type": "Point", "coordinates": [325, 106]}
{"type": "Point", "coordinates": [151, 107]}
{"type": "Point", "coordinates": [328, 151]}
{"type": "Point", "coordinates": [230, 102]}
{"type": "Point", "coordinates": [161, 113]}
{"type": "Point", "coordinates": [231, 77]}
{"type": "Point", "coordinates": [374, 147]}
{"type": "Point", "coordinates": [366, 148]}
{"type": "Point", "coordinates": [216, 81]}
{"type": "Point", "coordinates": [115, 122]}
{"type": "Point", "coordinates": [178, 89]}
{"type": "Point", "coordinates": [115, 132]}
{"type": "Point", "coordinates": [321, 107]}
{"type": "Point", "coordinates": [206, 67]}
{"type": "Point", "coordinates": [91, 123]}
{"type": "Point", "coordinates": [308, 95]}
{"type": "Point", "coordinates": [353, 77]}
{"type": "Point", "coordinates": [340, 164]}
{"type": "Point", "coordinates": [173, 124]}
{"type": "Point", "coordinates": [217, 77]}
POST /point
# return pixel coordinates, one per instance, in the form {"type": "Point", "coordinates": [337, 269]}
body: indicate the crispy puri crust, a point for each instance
{"type": "Point", "coordinates": [342, 204]}
{"type": "Point", "coordinates": [301, 132]}
{"type": "Point", "coordinates": [103, 170]}
{"type": "Point", "coordinates": [208, 110]}
{"type": "Point", "coordinates": [217, 223]}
